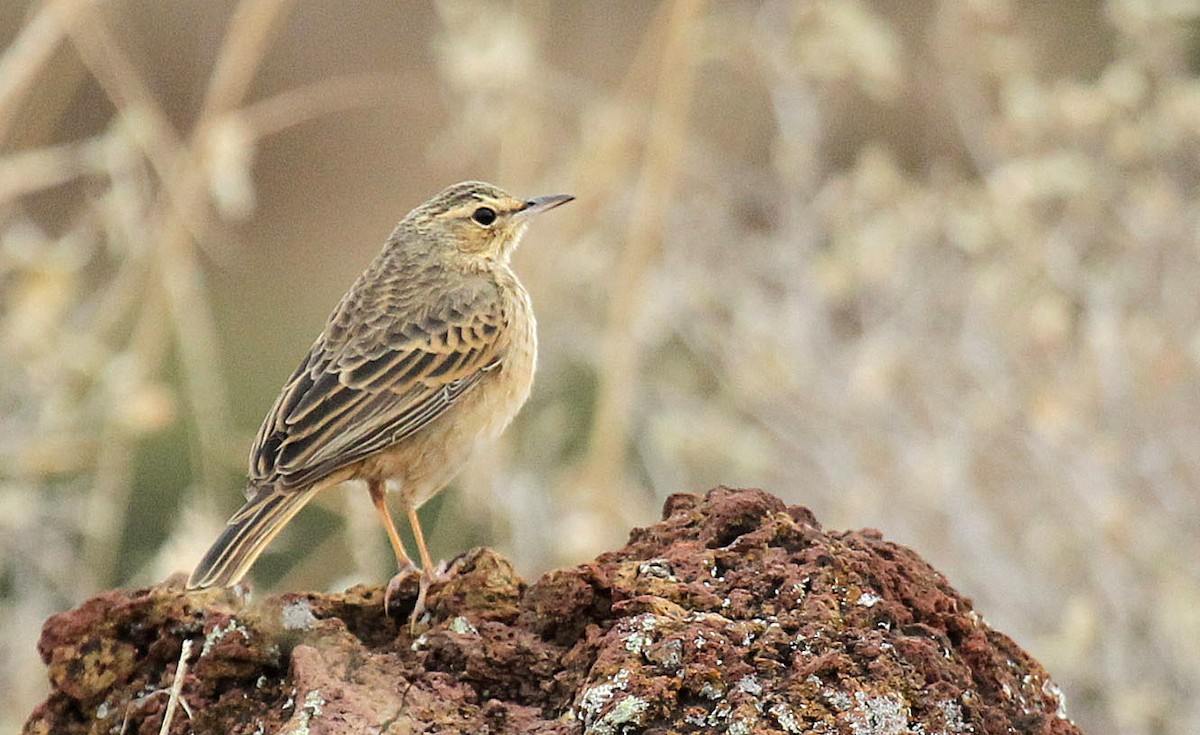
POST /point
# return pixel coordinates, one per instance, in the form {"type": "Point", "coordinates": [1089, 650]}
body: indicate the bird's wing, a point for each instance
{"type": "Point", "coordinates": [372, 381]}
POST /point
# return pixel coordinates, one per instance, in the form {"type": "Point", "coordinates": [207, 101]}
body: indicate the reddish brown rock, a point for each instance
{"type": "Point", "coordinates": [734, 614]}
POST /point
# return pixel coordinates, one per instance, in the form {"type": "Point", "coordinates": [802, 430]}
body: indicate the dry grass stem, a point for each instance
{"type": "Point", "coordinates": [26, 56]}
{"type": "Point", "coordinates": [175, 697]}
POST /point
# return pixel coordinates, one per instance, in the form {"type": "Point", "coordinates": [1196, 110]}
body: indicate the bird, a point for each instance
{"type": "Point", "coordinates": [429, 355]}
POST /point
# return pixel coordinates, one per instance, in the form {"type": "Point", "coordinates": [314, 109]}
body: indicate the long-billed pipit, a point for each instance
{"type": "Point", "coordinates": [429, 354]}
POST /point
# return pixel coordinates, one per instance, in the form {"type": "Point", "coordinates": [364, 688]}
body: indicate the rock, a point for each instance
{"type": "Point", "coordinates": [734, 614]}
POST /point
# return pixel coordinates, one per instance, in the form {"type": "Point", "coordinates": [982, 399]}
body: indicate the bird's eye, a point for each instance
{"type": "Point", "coordinates": [484, 216]}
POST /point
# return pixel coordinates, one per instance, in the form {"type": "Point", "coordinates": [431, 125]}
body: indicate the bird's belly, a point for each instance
{"type": "Point", "coordinates": [421, 465]}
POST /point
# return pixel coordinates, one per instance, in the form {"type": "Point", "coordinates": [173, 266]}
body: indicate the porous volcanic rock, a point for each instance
{"type": "Point", "coordinates": [734, 614]}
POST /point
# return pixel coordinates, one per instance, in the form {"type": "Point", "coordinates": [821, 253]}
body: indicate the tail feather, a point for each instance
{"type": "Point", "coordinates": [246, 535]}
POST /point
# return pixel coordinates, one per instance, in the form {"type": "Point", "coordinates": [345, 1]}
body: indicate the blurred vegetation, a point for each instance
{"type": "Point", "coordinates": [931, 267]}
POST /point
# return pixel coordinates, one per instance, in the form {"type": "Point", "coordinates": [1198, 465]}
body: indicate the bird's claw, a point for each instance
{"type": "Point", "coordinates": [425, 580]}
{"type": "Point", "coordinates": [397, 583]}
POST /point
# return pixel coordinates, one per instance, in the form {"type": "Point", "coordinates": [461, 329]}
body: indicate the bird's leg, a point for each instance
{"type": "Point", "coordinates": [415, 524]}
{"type": "Point", "coordinates": [404, 564]}
{"type": "Point", "coordinates": [430, 572]}
{"type": "Point", "coordinates": [378, 491]}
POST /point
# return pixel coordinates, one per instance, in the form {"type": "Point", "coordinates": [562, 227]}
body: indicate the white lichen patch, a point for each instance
{"type": "Point", "coordinates": [786, 717]}
{"type": "Point", "coordinates": [420, 642]}
{"type": "Point", "coordinates": [594, 699]}
{"type": "Point", "coordinates": [217, 634]}
{"type": "Point", "coordinates": [952, 714]}
{"type": "Point", "coordinates": [749, 684]}
{"type": "Point", "coordinates": [657, 568]}
{"type": "Point", "coordinates": [641, 639]}
{"type": "Point", "coordinates": [298, 615]}
{"type": "Point", "coordinates": [740, 727]}
{"type": "Point", "coordinates": [839, 700]}
{"type": "Point", "coordinates": [625, 712]}
{"type": "Point", "coordinates": [869, 599]}
{"type": "Point", "coordinates": [637, 642]}
{"type": "Point", "coordinates": [313, 706]}
{"type": "Point", "coordinates": [878, 715]}
{"type": "Point", "coordinates": [712, 690]}
{"type": "Point", "coordinates": [462, 626]}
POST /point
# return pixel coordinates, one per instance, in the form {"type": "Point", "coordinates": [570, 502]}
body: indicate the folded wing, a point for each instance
{"type": "Point", "coordinates": [360, 392]}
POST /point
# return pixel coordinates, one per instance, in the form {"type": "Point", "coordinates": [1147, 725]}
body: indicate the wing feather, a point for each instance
{"type": "Point", "coordinates": [373, 387]}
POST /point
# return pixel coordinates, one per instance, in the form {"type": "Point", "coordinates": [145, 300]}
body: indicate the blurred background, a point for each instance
{"type": "Point", "coordinates": [929, 267]}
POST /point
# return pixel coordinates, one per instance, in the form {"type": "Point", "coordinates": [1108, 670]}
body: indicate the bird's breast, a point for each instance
{"type": "Point", "coordinates": [514, 380]}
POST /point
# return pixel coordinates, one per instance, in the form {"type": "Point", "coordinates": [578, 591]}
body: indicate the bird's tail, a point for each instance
{"type": "Point", "coordinates": [246, 535]}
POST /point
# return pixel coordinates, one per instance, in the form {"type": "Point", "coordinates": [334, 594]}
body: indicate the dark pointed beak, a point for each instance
{"type": "Point", "coordinates": [537, 205]}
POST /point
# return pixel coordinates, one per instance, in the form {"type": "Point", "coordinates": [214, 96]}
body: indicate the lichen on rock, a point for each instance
{"type": "Point", "coordinates": [734, 614]}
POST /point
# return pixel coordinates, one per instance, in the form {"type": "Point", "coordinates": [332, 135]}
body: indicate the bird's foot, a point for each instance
{"type": "Point", "coordinates": [428, 578]}
{"type": "Point", "coordinates": [398, 584]}
{"type": "Point", "coordinates": [402, 583]}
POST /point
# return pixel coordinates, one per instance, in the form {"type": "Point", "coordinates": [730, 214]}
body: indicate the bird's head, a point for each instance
{"type": "Point", "coordinates": [480, 219]}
